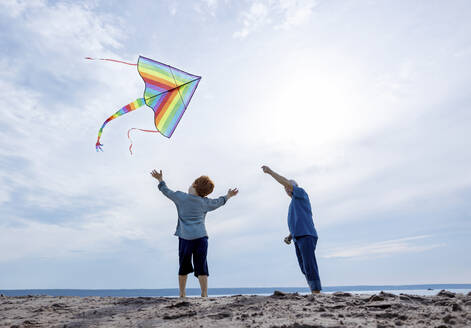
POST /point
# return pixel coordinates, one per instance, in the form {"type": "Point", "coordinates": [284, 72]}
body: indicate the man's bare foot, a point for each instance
{"type": "Point", "coordinates": [316, 292]}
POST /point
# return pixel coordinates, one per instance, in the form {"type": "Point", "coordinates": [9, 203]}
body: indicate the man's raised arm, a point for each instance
{"type": "Point", "coordinates": [281, 179]}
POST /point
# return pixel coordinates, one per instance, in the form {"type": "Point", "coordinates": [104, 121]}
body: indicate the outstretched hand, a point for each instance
{"type": "Point", "coordinates": [232, 192]}
{"type": "Point", "coordinates": [157, 175]}
{"type": "Point", "coordinates": [266, 169]}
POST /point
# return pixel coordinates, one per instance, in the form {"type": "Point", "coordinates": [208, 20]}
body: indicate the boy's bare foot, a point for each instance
{"type": "Point", "coordinates": [316, 292]}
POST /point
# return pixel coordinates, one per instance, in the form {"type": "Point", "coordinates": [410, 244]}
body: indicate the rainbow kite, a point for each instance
{"type": "Point", "coordinates": [168, 92]}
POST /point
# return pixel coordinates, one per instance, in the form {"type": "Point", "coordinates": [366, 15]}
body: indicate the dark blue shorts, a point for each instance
{"type": "Point", "coordinates": [196, 249]}
{"type": "Point", "coordinates": [305, 251]}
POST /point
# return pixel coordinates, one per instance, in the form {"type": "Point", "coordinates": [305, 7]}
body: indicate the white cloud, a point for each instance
{"type": "Point", "coordinates": [381, 249]}
{"type": "Point", "coordinates": [255, 17]}
{"type": "Point", "coordinates": [68, 29]}
{"type": "Point", "coordinates": [17, 7]}
{"type": "Point", "coordinates": [206, 7]}
{"type": "Point", "coordinates": [284, 14]}
{"type": "Point", "coordinates": [295, 12]}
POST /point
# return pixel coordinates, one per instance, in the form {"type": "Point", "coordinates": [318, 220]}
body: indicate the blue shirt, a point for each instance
{"type": "Point", "coordinates": [191, 211]}
{"type": "Point", "coordinates": [300, 221]}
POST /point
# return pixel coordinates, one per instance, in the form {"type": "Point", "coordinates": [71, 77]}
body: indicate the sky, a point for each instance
{"type": "Point", "coordinates": [365, 103]}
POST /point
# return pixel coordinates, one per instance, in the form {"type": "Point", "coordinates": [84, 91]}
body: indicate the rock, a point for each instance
{"type": "Point", "coordinates": [387, 295]}
{"type": "Point", "coordinates": [386, 315]}
{"type": "Point", "coordinates": [297, 325]}
{"type": "Point", "coordinates": [443, 302]}
{"type": "Point", "coordinates": [379, 305]}
{"type": "Point", "coordinates": [132, 301]}
{"type": "Point", "coordinates": [446, 293]}
{"type": "Point", "coordinates": [28, 323]}
{"type": "Point", "coordinates": [58, 306]}
{"type": "Point", "coordinates": [449, 319]}
{"type": "Point", "coordinates": [326, 315]}
{"type": "Point", "coordinates": [382, 325]}
{"type": "Point", "coordinates": [179, 315]}
{"type": "Point", "coordinates": [179, 305]}
{"type": "Point", "coordinates": [312, 298]}
{"type": "Point", "coordinates": [341, 294]}
{"type": "Point", "coordinates": [220, 315]}
{"type": "Point", "coordinates": [278, 293]}
{"type": "Point", "coordinates": [406, 298]}
{"type": "Point", "coordinates": [456, 307]}
{"type": "Point", "coordinates": [375, 298]}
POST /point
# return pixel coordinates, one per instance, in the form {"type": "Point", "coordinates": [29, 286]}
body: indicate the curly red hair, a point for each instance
{"type": "Point", "coordinates": [203, 186]}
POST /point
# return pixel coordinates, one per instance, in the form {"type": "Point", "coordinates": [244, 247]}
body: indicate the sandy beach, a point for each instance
{"type": "Point", "coordinates": [445, 309]}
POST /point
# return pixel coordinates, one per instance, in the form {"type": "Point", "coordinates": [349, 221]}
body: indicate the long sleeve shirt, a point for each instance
{"type": "Point", "coordinates": [300, 222]}
{"type": "Point", "coordinates": [192, 211]}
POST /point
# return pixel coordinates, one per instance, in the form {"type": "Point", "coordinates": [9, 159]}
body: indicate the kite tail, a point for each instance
{"type": "Point", "coordinates": [126, 109]}
{"type": "Point", "coordinates": [129, 136]}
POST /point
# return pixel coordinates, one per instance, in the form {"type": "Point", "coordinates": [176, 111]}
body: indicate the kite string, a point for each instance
{"type": "Point", "coordinates": [129, 136]}
{"type": "Point", "coordinates": [112, 60]}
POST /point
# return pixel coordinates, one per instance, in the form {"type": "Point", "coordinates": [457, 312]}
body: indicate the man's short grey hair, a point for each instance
{"type": "Point", "coordinates": [294, 183]}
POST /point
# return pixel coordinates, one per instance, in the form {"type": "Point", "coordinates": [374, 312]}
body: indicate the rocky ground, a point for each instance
{"type": "Point", "coordinates": [279, 310]}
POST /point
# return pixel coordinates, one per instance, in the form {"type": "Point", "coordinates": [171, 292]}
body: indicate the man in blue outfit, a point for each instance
{"type": "Point", "coordinates": [301, 228]}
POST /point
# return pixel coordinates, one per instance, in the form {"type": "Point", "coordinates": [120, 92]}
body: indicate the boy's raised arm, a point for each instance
{"type": "Point", "coordinates": [172, 195]}
{"type": "Point", "coordinates": [281, 179]}
{"type": "Point", "coordinates": [212, 204]}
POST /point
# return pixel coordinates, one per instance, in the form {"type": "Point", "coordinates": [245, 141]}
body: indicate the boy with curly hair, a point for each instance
{"type": "Point", "coordinates": [191, 231]}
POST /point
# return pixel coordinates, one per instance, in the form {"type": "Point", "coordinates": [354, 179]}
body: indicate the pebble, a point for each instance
{"type": "Point", "coordinates": [446, 293]}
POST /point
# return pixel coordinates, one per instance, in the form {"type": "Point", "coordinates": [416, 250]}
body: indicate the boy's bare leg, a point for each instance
{"type": "Point", "coordinates": [182, 285]}
{"type": "Point", "coordinates": [204, 285]}
{"type": "Point", "coordinates": [316, 292]}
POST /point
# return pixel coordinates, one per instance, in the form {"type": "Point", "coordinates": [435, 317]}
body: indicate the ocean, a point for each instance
{"type": "Point", "coordinates": [430, 289]}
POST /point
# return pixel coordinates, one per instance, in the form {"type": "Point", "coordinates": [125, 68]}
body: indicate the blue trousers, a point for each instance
{"type": "Point", "coordinates": [305, 251]}
{"type": "Point", "coordinates": [196, 249]}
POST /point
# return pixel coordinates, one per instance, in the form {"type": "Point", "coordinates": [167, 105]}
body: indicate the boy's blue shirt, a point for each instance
{"type": "Point", "coordinates": [191, 211]}
{"type": "Point", "coordinates": [300, 221]}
